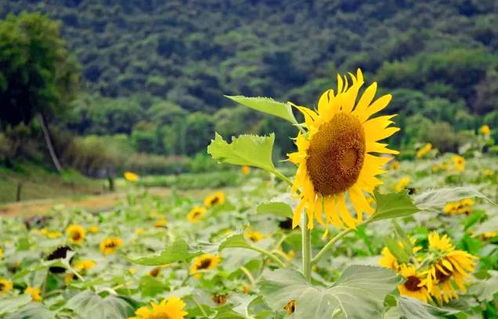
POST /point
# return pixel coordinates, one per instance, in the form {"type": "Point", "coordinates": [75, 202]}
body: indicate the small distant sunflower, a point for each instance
{"type": "Point", "coordinates": [490, 234]}
{"type": "Point", "coordinates": [52, 234]}
{"type": "Point", "coordinates": [402, 183]}
{"type": "Point", "coordinates": [203, 262]}
{"type": "Point", "coordinates": [76, 233]}
{"type": "Point", "coordinates": [459, 163]}
{"type": "Point", "coordinates": [110, 245]}
{"type": "Point", "coordinates": [34, 292]}
{"type": "Point", "coordinates": [214, 199]}
{"type": "Point", "coordinates": [84, 265]}
{"type": "Point", "coordinates": [450, 267]}
{"type": "Point", "coordinates": [245, 170]}
{"type": "Point", "coordinates": [414, 284]}
{"type": "Point", "coordinates": [290, 307]}
{"type": "Point", "coordinates": [131, 177]}
{"type": "Point", "coordinates": [334, 156]}
{"type": "Point", "coordinates": [1, 253]}
{"type": "Point", "coordinates": [424, 150]}
{"type": "Point", "coordinates": [254, 236]}
{"type": "Point", "coordinates": [394, 165]}
{"type": "Point", "coordinates": [171, 308]}
{"type": "Point", "coordinates": [93, 229]}
{"type": "Point", "coordinates": [485, 130]}
{"type": "Point", "coordinates": [139, 231]}
{"type": "Point", "coordinates": [463, 206]}
{"type": "Point", "coordinates": [196, 214]}
{"type": "Point", "coordinates": [160, 222]}
{"type": "Point", "coordinates": [5, 286]}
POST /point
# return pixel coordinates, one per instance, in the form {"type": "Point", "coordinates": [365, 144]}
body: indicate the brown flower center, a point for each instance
{"type": "Point", "coordinates": [205, 264]}
{"type": "Point", "coordinates": [440, 276]}
{"type": "Point", "coordinates": [2, 286]}
{"type": "Point", "coordinates": [412, 283]}
{"type": "Point", "coordinates": [336, 154]}
{"type": "Point", "coordinates": [215, 200]}
{"type": "Point", "coordinates": [110, 245]}
{"type": "Point", "coordinates": [76, 236]}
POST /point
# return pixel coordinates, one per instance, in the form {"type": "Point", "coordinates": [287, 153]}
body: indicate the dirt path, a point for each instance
{"type": "Point", "coordinates": [92, 203]}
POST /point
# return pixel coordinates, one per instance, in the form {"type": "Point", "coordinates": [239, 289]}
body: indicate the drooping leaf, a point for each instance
{"type": "Point", "coordinates": [411, 308]}
{"type": "Point", "coordinates": [393, 205]}
{"type": "Point", "coordinates": [12, 304]}
{"type": "Point", "coordinates": [250, 150]}
{"type": "Point", "coordinates": [235, 241]}
{"type": "Point", "coordinates": [359, 293]}
{"type": "Point", "coordinates": [277, 208]}
{"type": "Point", "coordinates": [266, 105]}
{"type": "Point", "coordinates": [90, 305]}
{"type": "Point", "coordinates": [487, 288]}
{"type": "Point", "coordinates": [434, 200]}
{"type": "Point", "coordinates": [179, 250]}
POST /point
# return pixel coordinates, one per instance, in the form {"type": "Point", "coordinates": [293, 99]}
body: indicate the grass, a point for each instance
{"type": "Point", "coordinates": [39, 183]}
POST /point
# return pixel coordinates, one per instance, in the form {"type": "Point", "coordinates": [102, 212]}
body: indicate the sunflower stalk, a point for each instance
{"type": "Point", "coordinates": [306, 247]}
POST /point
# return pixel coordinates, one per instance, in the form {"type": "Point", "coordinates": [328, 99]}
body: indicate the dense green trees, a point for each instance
{"type": "Point", "coordinates": [157, 71]}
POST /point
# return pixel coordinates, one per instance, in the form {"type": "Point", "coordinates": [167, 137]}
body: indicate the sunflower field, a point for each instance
{"type": "Point", "coordinates": [344, 227]}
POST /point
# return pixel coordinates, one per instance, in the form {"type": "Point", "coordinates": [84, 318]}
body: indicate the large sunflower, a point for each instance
{"type": "Point", "coordinates": [171, 308]}
{"type": "Point", "coordinates": [334, 157]}
{"type": "Point", "coordinates": [413, 286]}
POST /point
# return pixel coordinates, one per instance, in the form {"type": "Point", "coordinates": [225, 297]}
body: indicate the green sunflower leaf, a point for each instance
{"type": "Point", "coordinates": [235, 241]}
{"type": "Point", "coordinates": [411, 308]}
{"type": "Point", "coordinates": [90, 305]}
{"type": "Point", "coordinates": [250, 150]}
{"type": "Point", "coordinates": [359, 293]}
{"type": "Point", "coordinates": [277, 208]}
{"type": "Point", "coordinates": [393, 205]}
{"type": "Point", "coordinates": [266, 105]}
{"type": "Point", "coordinates": [179, 250]}
{"type": "Point", "coordinates": [434, 200]}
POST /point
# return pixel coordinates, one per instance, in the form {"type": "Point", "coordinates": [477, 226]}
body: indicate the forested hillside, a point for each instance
{"type": "Point", "coordinates": [157, 70]}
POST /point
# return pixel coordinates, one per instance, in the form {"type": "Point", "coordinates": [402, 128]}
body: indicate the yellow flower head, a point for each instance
{"type": "Point", "coordinates": [196, 214]}
{"type": "Point", "coordinates": [414, 284]}
{"type": "Point", "coordinates": [459, 163]}
{"type": "Point", "coordinates": [424, 150]}
{"type": "Point", "coordinates": [490, 234]}
{"type": "Point", "coordinates": [440, 243]}
{"type": "Point", "coordinates": [254, 236]}
{"type": "Point", "coordinates": [334, 153]}
{"type": "Point", "coordinates": [93, 229]}
{"type": "Point", "coordinates": [453, 268]}
{"type": "Point", "coordinates": [245, 170]}
{"type": "Point", "coordinates": [131, 177]}
{"type": "Point", "coordinates": [290, 307]}
{"type": "Point", "coordinates": [461, 207]}
{"type": "Point", "coordinates": [34, 292]}
{"type": "Point", "coordinates": [110, 245]}
{"type": "Point", "coordinates": [52, 234]}
{"type": "Point", "coordinates": [388, 260]}
{"type": "Point", "coordinates": [203, 262]}
{"type": "Point", "coordinates": [5, 286]}
{"type": "Point", "coordinates": [214, 199]}
{"type": "Point", "coordinates": [139, 231]}
{"type": "Point", "coordinates": [76, 233]}
{"type": "Point", "coordinates": [160, 222]}
{"type": "Point", "coordinates": [84, 265]}
{"type": "Point", "coordinates": [485, 130]}
{"type": "Point", "coordinates": [402, 183]}
{"type": "Point", "coordinates": [1, 253]}
{"type": "Point", "coordinates": [171, 308]}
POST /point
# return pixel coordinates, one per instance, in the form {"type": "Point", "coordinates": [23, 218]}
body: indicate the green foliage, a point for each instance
{"type": "Point", "coordinates": [358, 293]}
{"type": "Point", "coordinates": [247, 150]}
{"type": "Point", "coordinates": [393, 205]}
{"type": "Point", "coordinates": [177, 251]}
{"type": "Point", "coordinates": [38, 73]}
{"type": "Point", "coordinates": [267, 105]}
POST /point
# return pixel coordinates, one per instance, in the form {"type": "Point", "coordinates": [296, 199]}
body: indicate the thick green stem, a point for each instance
{"type": "Point", "coordinates": [306, 243]}
{"type": "Point", "coordinates": [329, 245]}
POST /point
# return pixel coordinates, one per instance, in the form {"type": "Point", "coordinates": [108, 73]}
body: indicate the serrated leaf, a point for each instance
{"type": "Point", "coordinates": [486, 289]}
{"type": "Point", "coordinates": [89, 305]}
{"type": "Point", "coordinates": [11, 304]}
{"type": "Point", "coordinates": [359, 293]}
{"type": "Point", "coordinates": [179, 250]}
{"type": "Point", "coordinates": [434, 200]}
{"type": "Point", "coordinates": [277, 208]}
{"type": "Point", "coordinates": [235, 241]}
{"type": "Point", "coordinates": [393, 205]}
{"type": "Point", "coordinates": [266, 105]}
{"type": "Point", "coordinates": [250, 150]}
{"type": "Point", "coordinates": [411, 308]}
